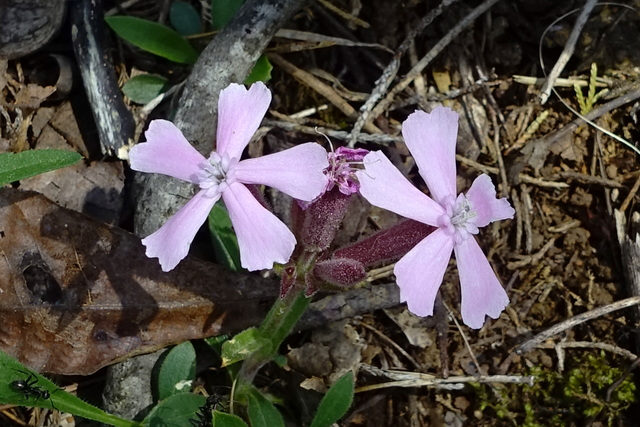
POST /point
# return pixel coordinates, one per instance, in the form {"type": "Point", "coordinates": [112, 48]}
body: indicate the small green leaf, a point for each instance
{"type": "Point", "coordinates": [11, 371]}
{"type": "Point", "coordinates": [242, 346]}
{"type": "Point", "coordinates": [261, 71]}
{"type": "Point", "coordinates": [177, 371]}
{"type": "Point", "coordinates": [220, 419]}
{"type": "Point", "coordinates": [144, 88]}
{"type": "Point", "coordinates": [175, 411]}
{"type": "Point", "coordinates": [335, 403]}
{"type": "Point", "coordinates": [263, 413]}
{"type": "Point", "coordinates": [17, 166]}
{"type": "Point", "coordinates": [185, 18]}
{"type": "Point", "coordinates": [222, 11]}
{"type": "Point", "coordinates": [225, 242]}
{"type": "Point", "coordinates": [153, 37]}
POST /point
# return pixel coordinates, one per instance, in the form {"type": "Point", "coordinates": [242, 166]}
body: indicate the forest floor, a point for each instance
{"type": "Point", "coordinates": [574, 189]}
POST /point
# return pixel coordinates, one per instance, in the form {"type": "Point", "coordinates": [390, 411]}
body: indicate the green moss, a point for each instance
{"type": "Point", "coordinates": [561, 399]}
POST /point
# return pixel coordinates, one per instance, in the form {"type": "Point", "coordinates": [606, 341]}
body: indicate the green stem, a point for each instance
{"type": "Point", "coordinates": [279, 322]}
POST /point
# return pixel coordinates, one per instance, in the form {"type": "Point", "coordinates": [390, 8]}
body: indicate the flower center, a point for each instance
{"type": "Point", "coordinates": [216, 173]}
{"type": "Point", "coordinates": [341, 172]}
{"type": "Point", "coordinates": [459, 219]}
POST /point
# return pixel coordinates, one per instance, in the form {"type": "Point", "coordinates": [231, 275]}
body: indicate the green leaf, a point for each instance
{"type": "Point", "coordinates": [11, 371]}
{"type": "Point", "coordinates": [220, 419]}
{"type": "Point", "coordinates": [225, 242]}
{"type": "Point", "coordinates": [177, 371]}
{"type": "Point", "coordinates": [263, 413]}
{"type": "Point", "coordinates": [144, 88]}
{"type": "Point", "coordinates": [153, 37]}
{"type": "Point", "coordinates": [17, 166]}
{"type": "Point", "coordinates": [185, 18]}
{"type": "Point", "coordinates": [242, 346]}
{"type": "Point", "coordinates": [335, 403]}
{"type": "Point", "coordinates": [175, 411]}
{"type": "Point", "coordinates": [261, 71]}
{"type": "Point", "coordinates": [222, 11]}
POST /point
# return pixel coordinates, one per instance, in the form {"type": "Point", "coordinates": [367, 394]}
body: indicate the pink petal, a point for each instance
{"type": "Point", "coordinates": [482, 293]}
{"type": "Point", "coordinates": [167, 152]}
{"type": "Point", "coordinates": [383, 185]}
{"type": "Point", "coordinates": [263, 239]}
{"type": "Point", "coordinates": [170, 244]}
{"type": "Point", "coordinates": [482, 196]}
{"type": "Point", "coordinates": [297, 171]}
{"type": "Point", "coordinates": [431, 139]}
{"type": "Point", "coordinates": [240, 112]}
{"type": "Point", "coordinates": [419, 273]}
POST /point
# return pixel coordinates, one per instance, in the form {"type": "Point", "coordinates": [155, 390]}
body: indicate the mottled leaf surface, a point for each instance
{"type": "Point", "coordinates": [78, 294]}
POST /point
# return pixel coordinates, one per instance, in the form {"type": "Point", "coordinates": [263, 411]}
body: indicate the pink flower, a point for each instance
{"type": "Point", "coordinates": [340, 172]}
{"type": "Point", "coordinates": [431, 138]}
{"type": "Point", "coordinates": [262, 238]}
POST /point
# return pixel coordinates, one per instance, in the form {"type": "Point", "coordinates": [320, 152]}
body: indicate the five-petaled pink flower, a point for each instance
{"type": "Point", "coordinates": [262, 238]}
{"type": "Point", "coordinates": [431, 138]}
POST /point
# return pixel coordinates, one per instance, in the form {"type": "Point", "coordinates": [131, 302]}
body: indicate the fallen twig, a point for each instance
{"type": "Point", "coordinates": [430, 56]}
{"type": "Point", "coordinates": [383, 83]}
{"type": "Point", "coordinates": [574, 321]}
{"type": "Point", "coordinates": [569, 47]}
{"type": "Point", "coordinates": [419, 379]}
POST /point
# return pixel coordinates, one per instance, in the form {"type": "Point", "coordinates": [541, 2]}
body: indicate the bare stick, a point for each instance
{"type": "Point", "coordinates": [538, 149]}
{"type": "Point", "coordinates": [430, 56]}
{"type": "Point", "coordinates": [320, 87]}
{"type": "Point", "coordinates": [419, 379]}
{"type": "Point", "coordinates": [567, 52]}
{"type": "Point", "coordinates": [383, 83]}
{"type": "Point", "coordinates": [574, 321]}
{"type": "Point", "coordinates": [592, 345]}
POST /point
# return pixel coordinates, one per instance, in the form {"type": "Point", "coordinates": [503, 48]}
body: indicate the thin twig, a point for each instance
{"type": "Point", "coordinates": [389, 73]}
{"type": "Point", "coordinates": [496, 144]}
{"type": "Point", "coordinates": [560, 82]}
{"type": "Point", "coordinates": [320, 87]}
{"type": "Point", "coordinates": [574, 321]}
{"type": "Point", "coordinates": [390, 342]}
{"type": "Point", "coordinates": [417, 379]}
{"type": "Point", "coordinates": [381, 138]}
{"type": "Point", "coordinates": [631, 195]}
{"type": "Point", "coordinates": [430, 56]}
{"type": "Point", "coordinates": [539, 148]}
{"type": "Point", "coordinates": [567, 51]}
{"type": "Point", "coordinates": [464, 339]}
{"type": "Point", "coordinates": [345, 15]}
{"type": "Point", "coordinates": [590, 179]}
{"type": "Point", "coordinates": [591, 345]}
{"type": "Point", "coordinates": [532, 259]}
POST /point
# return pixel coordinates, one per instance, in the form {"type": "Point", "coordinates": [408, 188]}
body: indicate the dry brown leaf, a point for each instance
{"type": "Point", "coordinates": [32, 95]}
{"type": "Point", "coordinates": [78, 294]}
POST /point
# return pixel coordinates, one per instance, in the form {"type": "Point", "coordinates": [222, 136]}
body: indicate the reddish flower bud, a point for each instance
{"type": "Point", "coordinates": [340, 271]}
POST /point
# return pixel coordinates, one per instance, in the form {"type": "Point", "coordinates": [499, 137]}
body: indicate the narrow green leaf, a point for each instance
{"type": "Point", "coordinates": [11, 371]}
{"type": "Point", "coordinates": [222, 11]}
{"type": "Point", "coordinates": [220, 419]}
{"type": "Point", "coordinates": [335, 403]}
{"type": "Point", "coordinates": [153, 37]}
{"type": "Point", "coordinates": [144, 88]}
{"type": "Point", "coordinates": [242, 346]}
{"type": "Point", "coordinates": [185, 18]}
{"type": "Point", "coordinates": [261, 71]}
{"type": "Point", "coordinates": [263, 413]}
{"type": "Point", "coordinates": [225, 242]}
{"type": "Point", "coordinates": [177, 371]}
{"type": "Point", "coordinates": [175, 411]}
{"type": "Point", "coordinates": [17, 166]}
